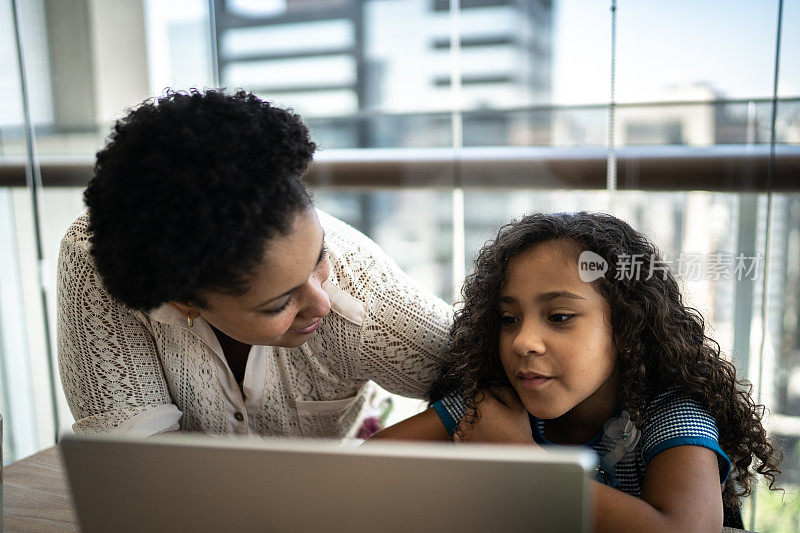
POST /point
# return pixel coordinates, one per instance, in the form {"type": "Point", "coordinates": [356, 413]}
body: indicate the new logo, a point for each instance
{"type": "Point", "coordinates": [591, 266]}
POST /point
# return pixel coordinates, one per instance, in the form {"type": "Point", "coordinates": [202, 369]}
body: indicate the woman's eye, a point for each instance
{"type": "Point", "coordinates": [508, 320]}
{"type": "Point", "coordinates": [560, 318]}
{"type": "Point", "coordinates": [322, 256]}
{"type": "Point", "coordinates": [279, 309]}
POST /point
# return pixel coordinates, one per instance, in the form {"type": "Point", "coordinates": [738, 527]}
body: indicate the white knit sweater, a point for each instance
{"type": "Point", "coordinates": [127, 371]}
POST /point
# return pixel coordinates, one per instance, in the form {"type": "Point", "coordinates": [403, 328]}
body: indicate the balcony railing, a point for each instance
{"type": "Point", "coordinates": [732, 168]}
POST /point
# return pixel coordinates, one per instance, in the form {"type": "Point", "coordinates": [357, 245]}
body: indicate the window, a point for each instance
{"type": "Point", "coordinates": [435, 127]}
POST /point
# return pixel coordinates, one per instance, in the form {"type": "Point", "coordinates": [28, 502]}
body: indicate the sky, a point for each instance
{"type": "Point", "coordinates": [727, 44]}
{"type": "Point", "coordinates": [664, 47]}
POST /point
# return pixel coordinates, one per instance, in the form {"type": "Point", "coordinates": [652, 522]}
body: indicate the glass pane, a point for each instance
{"type": "Point", "coordinates": [789, 79]}
{"type": "Point", "coordinates": [669, 50]}
{"type": "Point", "coordinates": [351, 68]}
{"type": "Point", "coordinates": [178, 45]}
{"type": "Point", "coordinates": [693, 85]}
{"type": "Point", "coordinates": [582, 52]}
{"type": "Point", "coordinates": [700, 234]}
{"type": "Point", "coordinates": [415, 227]}
{"type": "Point", "coordinates": [23, 401]}
{"type": "Point", "coordinates": [695, 124]}
{"type": "Point", "coordinates": [778, 370]}
{"type": "Point", "coordinates": [715, 244]}
{"type": "Point", "coordinates": [21, 436]}
{"type": "Point", "coordinates": [787, 124]}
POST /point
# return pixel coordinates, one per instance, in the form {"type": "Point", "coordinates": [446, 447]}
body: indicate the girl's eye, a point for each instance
{"type": "Point", "coordinates": [560, 318]}
{"type": "Point", "coordinates": [508, 320]}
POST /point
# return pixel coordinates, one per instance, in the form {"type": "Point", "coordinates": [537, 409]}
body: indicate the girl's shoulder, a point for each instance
{"type": "Point", "coordinates": [672, 410]}
{"type": "Point", "coordinates": [674, 419]}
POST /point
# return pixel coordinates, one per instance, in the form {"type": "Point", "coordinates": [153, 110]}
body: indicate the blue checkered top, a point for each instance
{"type": "Point", "coordinates": [672, 420]}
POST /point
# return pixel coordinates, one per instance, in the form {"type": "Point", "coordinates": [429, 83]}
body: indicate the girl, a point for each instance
{"type": "Point", "coordinates": [571, 334]}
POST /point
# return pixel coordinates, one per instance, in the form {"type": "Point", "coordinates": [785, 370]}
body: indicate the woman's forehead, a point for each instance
{"type": "Point", "coordinates": [288, 259]}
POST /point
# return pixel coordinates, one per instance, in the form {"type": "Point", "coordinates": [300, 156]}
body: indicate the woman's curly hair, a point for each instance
{"type": "Point", "coordinates": [189, 190]}
{"type": "Point", "coordinates": [660, 341]}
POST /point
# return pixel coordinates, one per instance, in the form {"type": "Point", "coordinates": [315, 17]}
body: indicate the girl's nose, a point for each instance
{"type": "Point", "coordinates": [529, 341]}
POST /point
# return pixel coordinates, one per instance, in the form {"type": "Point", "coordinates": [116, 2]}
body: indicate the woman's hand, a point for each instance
{"type": "Point", "coordinates": [501, 418]}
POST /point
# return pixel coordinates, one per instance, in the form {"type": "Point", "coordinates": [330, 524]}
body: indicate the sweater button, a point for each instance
{"type": "Point", "coordinates": [238, 416]}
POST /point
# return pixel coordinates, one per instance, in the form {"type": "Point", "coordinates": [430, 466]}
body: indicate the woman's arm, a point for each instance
{"type": "Point", "coordinates": [423, 426]}
{"type": "Point", "coordinates": [401, 344]}
{"type": "Point", "coordinates": [109, 365]}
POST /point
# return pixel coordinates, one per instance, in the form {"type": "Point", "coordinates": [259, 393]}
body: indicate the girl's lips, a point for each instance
{"type": "Point", "coordinates": [533, 382]}
{"type": "Point", "coordinates": [309, 329]}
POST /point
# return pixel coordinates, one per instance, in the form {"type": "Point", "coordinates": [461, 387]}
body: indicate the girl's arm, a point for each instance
{"type": "Point", "coordinates": [681, 493]}
{"type": "Point", "coordinates": [681, 486]}
{"type": "Point", "coordinates": [681, 490]}
{"type": "Point", "coordinates": [503, 416]}
{"type": "Point", "coordinates": [424, 426]}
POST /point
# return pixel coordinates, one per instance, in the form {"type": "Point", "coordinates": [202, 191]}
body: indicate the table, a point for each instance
{"type": "Point", "coordinates": [36, 496]}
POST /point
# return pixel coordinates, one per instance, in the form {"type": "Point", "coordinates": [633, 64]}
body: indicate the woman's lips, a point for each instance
{"type": "Point", "coordinates": [309, 329]}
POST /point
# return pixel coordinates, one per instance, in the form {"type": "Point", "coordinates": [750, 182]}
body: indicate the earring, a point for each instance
{"type": "Point", "coordinates": [190, 321]}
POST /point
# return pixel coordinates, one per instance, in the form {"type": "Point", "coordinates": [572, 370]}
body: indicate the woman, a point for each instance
{"type": "Point", "coordinates": [201, 291]}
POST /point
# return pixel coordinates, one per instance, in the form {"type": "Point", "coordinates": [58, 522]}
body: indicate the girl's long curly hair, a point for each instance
{"type": "Point", "coordinates": [661, 342]}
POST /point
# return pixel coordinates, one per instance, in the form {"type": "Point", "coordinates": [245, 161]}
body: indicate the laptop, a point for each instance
{"type": "Point", "coordinates": [182, 483]}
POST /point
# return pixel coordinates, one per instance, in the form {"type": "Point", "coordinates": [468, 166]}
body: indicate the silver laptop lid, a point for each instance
{"type": "Point", "coordinates": [179, 483]}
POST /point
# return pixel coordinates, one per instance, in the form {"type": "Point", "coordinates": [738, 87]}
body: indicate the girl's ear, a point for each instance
{"type": "Point", "coordinates": [617, 344]}
{"type": "Point", "coordinates": [626, 350]}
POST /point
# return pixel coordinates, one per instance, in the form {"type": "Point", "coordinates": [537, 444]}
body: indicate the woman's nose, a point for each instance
{"type": "Point", "coordinates": [529, 340]}
{"type": "Point", "coordinates": [316, 302]}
